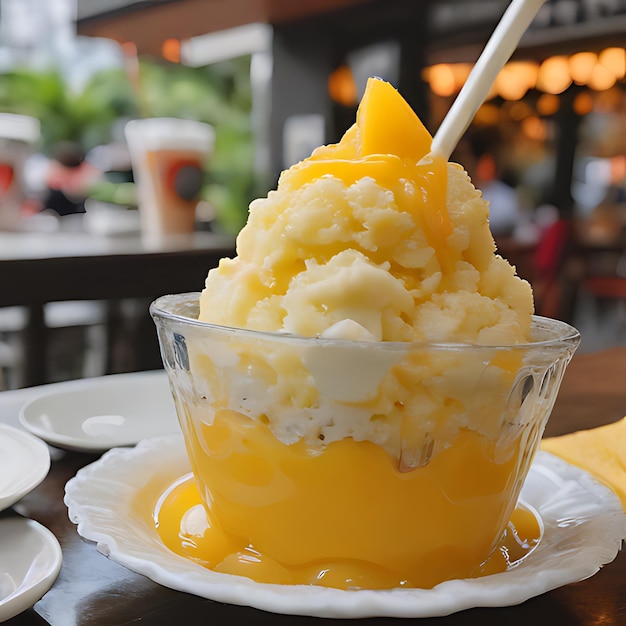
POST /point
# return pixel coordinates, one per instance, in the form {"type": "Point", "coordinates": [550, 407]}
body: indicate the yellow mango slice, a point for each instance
{"type": "Point", "coordinates": [388, 125]}
{"type": "Point", "coordinates": [385, 125]}
{"type": "Point", "coordinates": [387, 143]}
{"type": "Point", "coordinates": [601, 451]}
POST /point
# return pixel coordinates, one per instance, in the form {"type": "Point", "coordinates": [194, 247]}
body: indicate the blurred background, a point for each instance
{"type": "Point", "coordinates": [276, 79]}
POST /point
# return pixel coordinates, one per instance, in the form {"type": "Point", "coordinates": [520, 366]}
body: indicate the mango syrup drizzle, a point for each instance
{"type": "Point", "coordinates": [390, 144]}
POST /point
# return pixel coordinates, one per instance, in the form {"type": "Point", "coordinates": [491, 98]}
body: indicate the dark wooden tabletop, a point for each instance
{"type": "Point", "coordinates": [37, 268]}
{"type": "Point", "coordinates": [92, 590]}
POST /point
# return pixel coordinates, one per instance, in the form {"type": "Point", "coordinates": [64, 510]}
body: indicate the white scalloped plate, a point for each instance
{"type": "Point", "coordinates": [584, 526]}
{"type": "Point", "coordinates": [96, 414]}
{"type": "Point", "coordinates": [30, 563]}
{"type": "Point", "coordinates": [24, 463]}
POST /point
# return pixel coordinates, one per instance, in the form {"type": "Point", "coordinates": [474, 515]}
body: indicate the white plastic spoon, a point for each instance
{"type": "Point", "coordinates": [499, 48]}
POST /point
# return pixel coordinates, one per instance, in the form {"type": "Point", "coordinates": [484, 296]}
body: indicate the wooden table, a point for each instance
{"type": "Point", "coordinates": [93, 591]}
{"type": "Point", "coordinates": [36, 268]}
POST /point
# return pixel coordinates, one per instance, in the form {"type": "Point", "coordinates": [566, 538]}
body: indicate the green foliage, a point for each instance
{"type": "Point", "coordinates": [219, 94]}
{"type": "Point", "coordinates": [84, 117]}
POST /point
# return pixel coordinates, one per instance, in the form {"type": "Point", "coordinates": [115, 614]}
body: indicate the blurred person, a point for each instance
{"type": "Point", "coordinates": [68, 180]}
{"type": "Point", "coordinates": [478, 154]}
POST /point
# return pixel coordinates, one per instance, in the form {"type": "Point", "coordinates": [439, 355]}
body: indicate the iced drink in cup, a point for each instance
{"type": "Point", "coordinates": [363, 388]}
{"type": "Point", "coordinates": [169, 157]}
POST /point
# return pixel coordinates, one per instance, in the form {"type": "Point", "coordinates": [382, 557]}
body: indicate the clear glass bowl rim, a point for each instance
{"type": "Point", "coordinates": [561, 334]}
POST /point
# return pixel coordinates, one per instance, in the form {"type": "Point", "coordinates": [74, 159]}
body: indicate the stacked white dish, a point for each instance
{"type": "Point", "coordinates": [31, 554]}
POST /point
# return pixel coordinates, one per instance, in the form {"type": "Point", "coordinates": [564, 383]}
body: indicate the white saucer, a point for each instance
{"type": "Point", "coordinates": [584, 526]}
{"type": "Point", "coordinates": [24, 463]}
{"type": "Point", "coordinates": [30, 563]}
{"type": "Point", "coordinates": [95, 414]}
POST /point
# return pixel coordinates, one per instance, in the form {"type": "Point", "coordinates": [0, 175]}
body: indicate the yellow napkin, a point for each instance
{"type": "Point", "coordinates": [601, 451]}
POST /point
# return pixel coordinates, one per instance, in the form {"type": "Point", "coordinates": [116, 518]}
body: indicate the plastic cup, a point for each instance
{"type": "Point", "coordinates": [344, 462]}
{"type": "Point", "coordinates": [168, 157]}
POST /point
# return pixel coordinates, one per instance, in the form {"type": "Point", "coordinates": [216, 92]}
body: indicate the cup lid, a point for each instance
{"type": "Point", "coordinates": [19, 127]}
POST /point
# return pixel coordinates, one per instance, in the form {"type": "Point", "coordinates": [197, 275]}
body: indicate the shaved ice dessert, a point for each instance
{"type": "Point", "coordinates": [362, 389]}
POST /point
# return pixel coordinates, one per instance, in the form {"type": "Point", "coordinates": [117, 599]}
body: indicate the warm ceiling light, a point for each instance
{"type": "Point", "coordinates": [581, 65]}
{"type": "Point", "coordinates": [554, 75]}
{"type": "Point", "coordinates": [342, 86]}
{"type": "Point", "coordinates": [519, 110]}
{"type": "Point", "coordinates": [460, 71]}
{"type": "Point", "coordinates": [487, 115]}
{"type": "Point", "coordinates": [534, 128]}
{"type": "Point", "coordinates": [614, 59]}
{"type": "Point", "coordinates": [547, 104]}
{"type": "Point", "coordinates": [442, 80]}
{"type": "Point", "coordinates": [445, 75]}
{"type": "Point", "coordinates": [601, 78]}
{"type": "Point", "coordinates": [526, 71]}
{"type": "Point", "coordinates": [583, 103]}
{"type": "Point", "coordinates": [515, 79]}
{"type": "Point", "coordinates": [508, 85]}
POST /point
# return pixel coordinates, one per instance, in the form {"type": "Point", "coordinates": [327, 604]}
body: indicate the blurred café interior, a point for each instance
{"type": "Point", "coordinates": [275, 79]}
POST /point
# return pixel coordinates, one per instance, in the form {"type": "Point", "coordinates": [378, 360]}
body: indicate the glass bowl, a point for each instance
{"type": "Point", "coordinates": [356, 464]}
